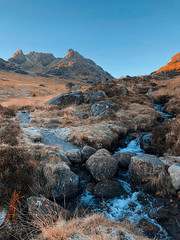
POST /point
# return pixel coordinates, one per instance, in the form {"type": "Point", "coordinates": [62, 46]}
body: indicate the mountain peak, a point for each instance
{"type": "Point", "coordinates": [18, 57]}
{"type": "Point", "coordinates": [18, 53]}
{"type": "Point", "coordinates": [72, 54]}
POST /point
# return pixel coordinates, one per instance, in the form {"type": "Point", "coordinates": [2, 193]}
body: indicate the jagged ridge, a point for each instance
{"type": "Point", "coordinates": [72, 66]}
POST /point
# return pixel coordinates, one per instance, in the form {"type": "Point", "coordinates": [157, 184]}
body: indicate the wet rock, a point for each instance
{"type": "Point", "coordinates": [174, 172]}
{"type": "Point", "coordinates": [87, 151]}
{"type": "Point", "coordinates": [60, 181]}
{"type": "Point", "coordinates": [102, 109]}
{"type": "Point", "coordinates": [145, 168]}
{"type": "Point", "coordinates": [90, 186]}
{"type": "Point", "coordinates": [108, 189]}
{"type": "Point", "coordinates": [43, 209]}
{"type": "Point", "coordinates": [67, 99]}
{"type": "Point", "coordinates": [145, 143]}
{"type": "Point", "coordinates": [82, 115]}
{"type": "Point", "coordinates": [162, 215]}
{"type": "Point", "coordinates": [96, 96]}
{"type": "Point", "coordinates": [74, 156]}
{"type": "Point", "coordinates": [148, 228]}
{"type": "Point", "coordinates": [102, 165]}
{"type": "Point", "coordinates": [123, 159]}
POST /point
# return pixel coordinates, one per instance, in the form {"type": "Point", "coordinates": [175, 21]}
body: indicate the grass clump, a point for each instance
{"type": "Point", "coordinates": [9, 132]}
{"type": "Point", "coordinates": [166, 138]}
{"type": "Point", "coordinates": [17, 171]}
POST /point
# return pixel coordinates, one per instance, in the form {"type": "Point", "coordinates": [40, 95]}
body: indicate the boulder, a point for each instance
{"type": "Point", "coordinates": [108, 189]}
{"type": "Point", "coordinates": [123, 159]}
{"type": "Point", "coordinates": [102, 165]}
{"type": "Point", "coordinates": [74, 156]}
{"type": "Point", "coordinates": [32, 133]}
{"type": "Point", "coordinates": [66, 99]}
{"type": "Point", "coordinates": [43, 209]}
{"type": "Point", "coordinates": [60, 181]}
{"type": "Point", "coordinates": [174, 172]}
{"type": "Point", "coordinates": [87, 151]}
{"type": "Point", "coordinates": [145, 143]}
{"type": "Point", "coordinates": [148, 169]}
{"type": "Point", "coordinates": [102, 109]}
{"type": "Point", "coordinates": [96, 96]}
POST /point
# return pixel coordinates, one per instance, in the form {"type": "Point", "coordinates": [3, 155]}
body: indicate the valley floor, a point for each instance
{"type": "Point", "coordinates": [54, 151]}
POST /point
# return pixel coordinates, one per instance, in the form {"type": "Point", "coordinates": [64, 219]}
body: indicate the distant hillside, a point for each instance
{"type": "Point", "coordinates": [172, 68]}
{"type": "Point", "coordinates": [72, 66]}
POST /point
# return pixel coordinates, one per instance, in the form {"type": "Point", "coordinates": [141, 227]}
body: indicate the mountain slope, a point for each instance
{"type": "Point", "coordinates": [72, 66]}
{"type": "Point", "coordinates": [172, 68]}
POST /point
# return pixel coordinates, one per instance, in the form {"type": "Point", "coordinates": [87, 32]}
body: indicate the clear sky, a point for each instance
{"type": "Point", "coordinates": [133, 37]}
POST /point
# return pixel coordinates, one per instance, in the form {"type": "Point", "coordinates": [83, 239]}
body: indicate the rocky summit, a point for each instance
{"type": "Point", "coordinates": [72, 66]}
{"type": "Point", "coordinates": [172, 68]}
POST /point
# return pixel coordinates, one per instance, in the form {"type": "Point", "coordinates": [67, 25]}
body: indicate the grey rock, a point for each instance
{"type": "Point", "coordinates": [144, 168]}
{"type": "Point", "coordinates": [123, 159]}
{"type": "Point", "coordinates": [102, 109]}
{"type": "Point", "coordinates": [145, 143]}
{"type": "Point", "coordinates": [96, 96]}
{"type": "Point", "coordinates": [87, 151]}
{"type": "Point", "coordinates": [43, 209]}
{"type": "Point", "coordinates": [74, 156]}
{"type": "Point", "coordinates": [108, 189]}
{"type": "Point", "coordinates": [66, 99]}
{"type": "Point", "coordinates": [174, 172]}
{"type": "Point", "coordinates": [102, 165]}
{"type": "Point", "coordinates": [60, 181]}
{"type": "Point", "coordinates": [82, 115]}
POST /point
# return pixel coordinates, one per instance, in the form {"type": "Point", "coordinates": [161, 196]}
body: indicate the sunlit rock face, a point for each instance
{"type": "Point", "coordinates": [72, 66]}
{"type": "Point", "coordinates": [172, 68]}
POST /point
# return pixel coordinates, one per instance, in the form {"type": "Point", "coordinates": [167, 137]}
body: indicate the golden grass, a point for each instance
{"type": "Point", "coordinates": [91, 227]}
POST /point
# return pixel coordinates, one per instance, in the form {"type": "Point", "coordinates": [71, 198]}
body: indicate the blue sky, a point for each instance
{"type": "Point", "coordinates": [133, 37]}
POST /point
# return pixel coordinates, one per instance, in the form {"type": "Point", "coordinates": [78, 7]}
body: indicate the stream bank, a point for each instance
{"type": "Point", "coordinates": [134, 204]}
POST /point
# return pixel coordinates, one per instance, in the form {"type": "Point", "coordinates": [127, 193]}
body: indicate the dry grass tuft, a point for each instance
{"type": "Point", "coordinates": [9, 132]}
{"type": "Point", "coordinates": [166, 138]}
{"type": "Point", "coordinates": [91, 227]}
{"type": "Point", "coordinates": [18, 171]}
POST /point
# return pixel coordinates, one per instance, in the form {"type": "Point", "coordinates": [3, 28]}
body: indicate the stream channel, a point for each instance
{"type": "Point", "coordinates": [134, 205]}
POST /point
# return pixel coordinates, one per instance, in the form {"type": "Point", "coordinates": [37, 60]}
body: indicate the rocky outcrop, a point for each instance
{"type": "Point", "coordinates": [9, 66]}
{"type": "Point", "coordinates": [72, 66]}
{"type": "Point", "coordinates": [102, 165]}
{"type": "Point", "coordinates": [66, 99]}
{"type": "Point", "coordinates": [60, 181]}
{"type": "Point", "coordinates": [103, 109]}
{"type": "Point", "coordinates": [108, 189]}
{"type": "Point", "coordinates": [96, 96]}
{"type": "Point", "coordinates": [174, 172]}
{"type": "Point", "coordinates": [171, 69]}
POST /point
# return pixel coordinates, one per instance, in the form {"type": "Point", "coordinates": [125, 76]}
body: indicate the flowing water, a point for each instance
{"type": "Point", "coordinates": [134, 205]}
